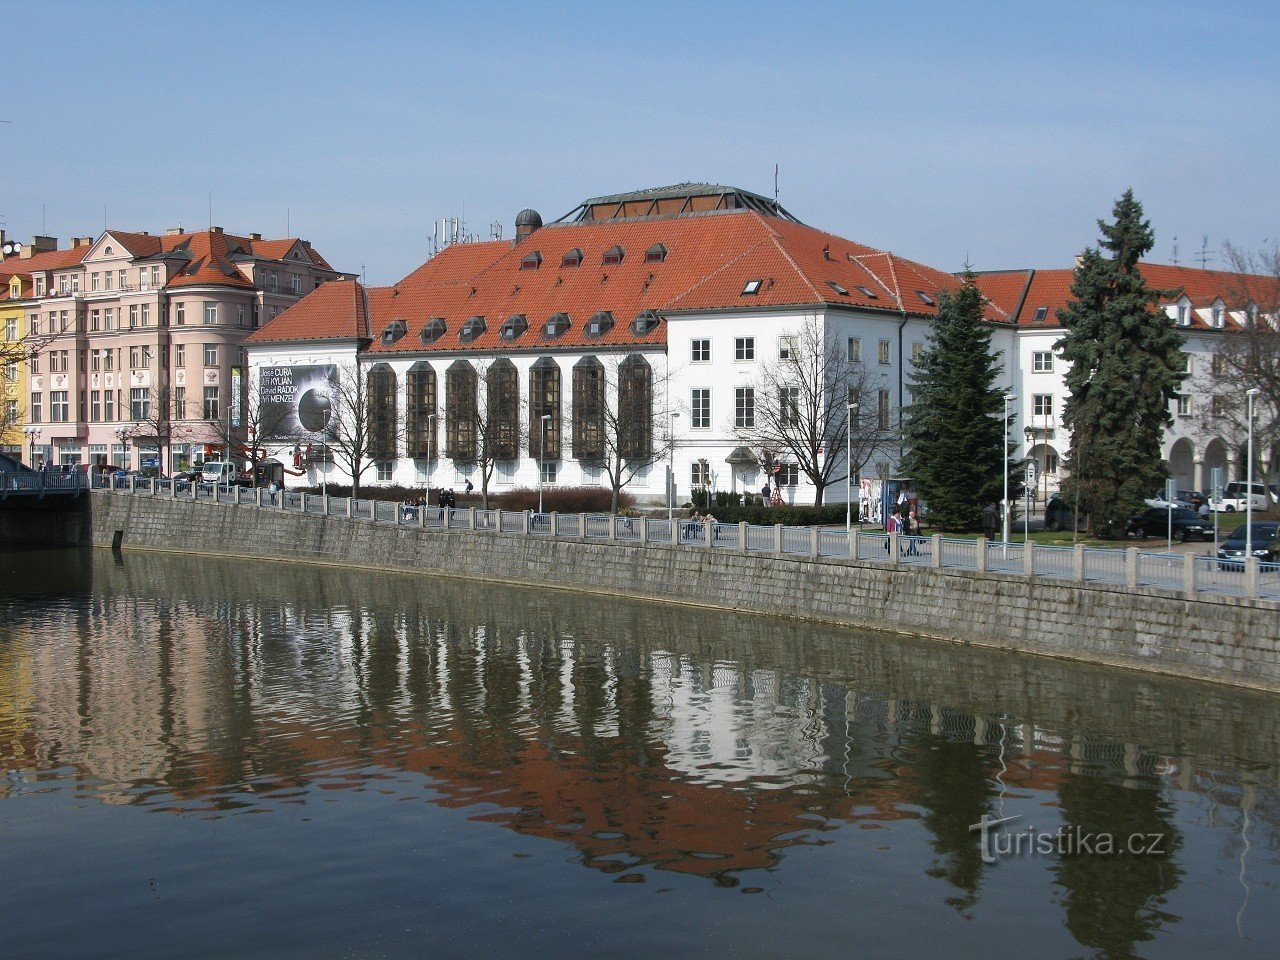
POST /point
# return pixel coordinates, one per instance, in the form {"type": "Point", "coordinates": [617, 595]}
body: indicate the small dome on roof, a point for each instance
{"type": "Point", "coordinates": [529, 218]}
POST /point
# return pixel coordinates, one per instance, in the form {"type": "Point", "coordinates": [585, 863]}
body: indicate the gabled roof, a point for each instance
{"type": "Point", "coordinates": [336, 310]}
{"type": "Point", "coordinates": [1021, 293]}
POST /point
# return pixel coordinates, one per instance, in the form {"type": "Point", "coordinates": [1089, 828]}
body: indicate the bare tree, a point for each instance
{"type": "Point", "coordinates": [1247, 357]}
{"type": "Point", "coordinates": [801, 408]}
{"type": "Point", "coordinates": [364, 427]}
{"type": "Point", "coordinates": [157, 421]}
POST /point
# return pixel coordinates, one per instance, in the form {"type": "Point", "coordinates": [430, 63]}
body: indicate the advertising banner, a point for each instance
{"type": "Point", "coordinates": [299, 402]}
{"type": "Point", "coordinates": [237, 389]}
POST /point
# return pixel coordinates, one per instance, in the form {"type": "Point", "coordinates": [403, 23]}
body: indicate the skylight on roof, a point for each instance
{"type": "Point", "coordinates": [924, 298]}
{"type": "Point", "coordinates": [838, 288]}
{"type": "Point", "coordinates": [751, 288]}
{"type": "Point", "coordinates": [572, 259]}
{"type": "Point", "coordinates": [472, 329]}
{"type": "Point", "coordinates": [867, 292]}
{"type": "Point", "coordinates": [613, 256]}
{"type": "Point", "coordinates": [555, 326]}
{"type": "Point", "coordinates": [1041, 313]}
{"type": "Point", "coordinates": [393, 332]}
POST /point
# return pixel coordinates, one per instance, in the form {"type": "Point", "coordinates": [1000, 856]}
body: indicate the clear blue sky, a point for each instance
{"type": "Point", "coordinates": [994, 131]}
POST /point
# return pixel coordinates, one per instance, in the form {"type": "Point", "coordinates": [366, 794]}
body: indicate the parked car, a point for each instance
{"type": "Point", "coordinates": [221, 472]}
{"type": "Point", "coordinates": [1058, 514]}
{"type": "Point", "coordinates": [1194, 497]}
{"type": "Point", "coordinates": [1158, 502]}
{"type": "Point", "coordinates": [1187, 525]}
{"type": "Point", "coordinates": [1265, 545]}
{"type": "Point", "coordinates": [1265, 496]}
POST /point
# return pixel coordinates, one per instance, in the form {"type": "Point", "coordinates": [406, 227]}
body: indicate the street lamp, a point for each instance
{"type": "Point", "coordinates": [124, 435]}
{"type": "Point", "coordinates": [33, 434]}
{"type": "Point", "coordinates": [542, 456]}
{"type": "Point", "coordinates": [852, 413]}
{"type": "Point", "coordinates": [671, 479]}
{"type": "Point", "coordinates": [431, 453]}
{"type": "Point", "coordinates": [1248, 517]}
{"type": "Point", "coordinates": [1004, 520]}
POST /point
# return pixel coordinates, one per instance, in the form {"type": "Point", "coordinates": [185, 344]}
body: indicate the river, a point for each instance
{"type": "Point", "coordinates": [214, 758]}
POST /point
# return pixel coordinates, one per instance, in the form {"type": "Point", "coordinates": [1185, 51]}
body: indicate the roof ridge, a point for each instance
{"type": "Point", "coordinates": [777, 241]}
{"type": "Point", "coordinates": [706, 278]}
{"type": "Point", "coordinates": [896, 290]}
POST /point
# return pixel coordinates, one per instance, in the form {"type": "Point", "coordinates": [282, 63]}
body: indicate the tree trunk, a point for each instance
{"type": "Point", "coordinates": [613, 505]}
{"type": "Point", "coordinates": [819, 490]}
{"type": "Point", "coordinates": [484, 488]}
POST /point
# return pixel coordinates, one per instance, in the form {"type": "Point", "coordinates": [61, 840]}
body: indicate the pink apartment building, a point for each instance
{"type": "Point", "coordinates": [140, 360]}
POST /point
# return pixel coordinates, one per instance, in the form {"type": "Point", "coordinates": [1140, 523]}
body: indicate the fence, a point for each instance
{"type": "Point", "coordinates": [1181, 573]}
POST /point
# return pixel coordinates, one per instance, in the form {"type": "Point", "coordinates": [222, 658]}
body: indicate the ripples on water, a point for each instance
{"type": "Point", "coordinates": [210, 758]}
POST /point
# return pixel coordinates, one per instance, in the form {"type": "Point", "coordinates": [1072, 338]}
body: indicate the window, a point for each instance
{"type": "Point", "coordinates": [513, 327]}
{"type": "Point", "coordinates": [1217, 315]}
{"type": "Point", "coordinates": [1188, 363]}
{"type": "Point", "coordinates": [838, 288]}
{"type": "Point", "coordinates": [787, 347]}
{"type": "Point", "coordinates": [11, 328]}
{"type": "Point", "coordinates": [124, 279]}
{"type": "Point", "coordinates": [1042, 405]}
{"type": "Point", "coordinates": [142, 278]}
{"type": "Point", "coordinates": [34, 364]}
{"type": "Point", "coordinates": [744, 349]}
{"type": "Point", "coordinates": [239, 314]}
{"type": "Point", "coordinates": [179, 403]}
{"type": "Point", "coordinates": [600, 324]}
{"type": "Point", "coordinates": [210, 354]}
{"type": "Point", "coordinates": [656, 254]}
{"type": "Point", "coordinates": [591, 475]}
{"type": "Point", "coordinates": [549, 470]}
{"type": "Point", "coordinates": [108, 405]}
{"type": "Point", "coordinates": [1218, 405]}
{"type": "Point", "coordinates": [433, 331]}
{"type": "Point", "coordinates": [381, 389]}
{"type": "Point", "coordinates": [588, 410]}
{"type": "Point", "coordinates": [555, 326]}
{"type": "Point", "coordinates": [502, 405]}
{"type": "Point", "coordinates": [64, 284]}
{"type": "Point", "coordinates": [1218, 365]}
{"type": "Point", "coordinates": [140, 403]}
{"type": "Point", "coordinates": [853, 350]}
{"type": "Point", "coordinates": [133, 315]}
{"type": "Point", "coordinates": [33, 324]}
{"type": "Point", "coordinates": [420, 411]}
{"type": "Point", "coordinates": [644, 322]}
{"type": "Point", "coordinates": [571, 259]}
{"type": "Point", "coordinates": [744, 407]}
{"type": "Point", "coordinates": [210, 312]}
{"type": "Point", "coordinates": [179, 313]}
{"type": "Point", "coordinates": [700, 473]}
{"type": "Point", "coordinates": [460, 411]}
{"type": "Point", "coordinates": [635, 410]}
{"type": "Point", "coordinates": [544, 401]}
{"type": "Point", "coordinates": [506, 471]}
{"type": "Point", "coordinates": [882, 409]}
{"type": "Point", "coordinates": [917, 348]}
{"type": "Point", "coordinates": [531, 261]}
{"type": "Point", "coordinates": [58, 406]}
{"type": "Point", "coordinates": [1184, 315]}
{"type": "Point", "coordinates": [700, 351]}
{"type": "Point", "coordinates": [700, 408]}
{"type": "Point", "coordinates": [472, 329]}
{"type": "Point", "coordinates": [384, 470]}
{"type": "Point", "coordinates": [180, 355]}
{"type": "Point", "coordinates": [155, 276]}
{"type": "Point", "coordinates": [93, 281]}
{"type": "Point", "coordinates": [37, 407]}
{"type": "Point", "coordinates": [95, 321]}
{"type": "Point", "coordinates": [95, 406]}
{"type": "Point", "coordinates": [867, 292]}
{"type": "Point", "coordinates": [613, 256]}
{"type": "Point", "coordinates": [789, 406]}
{"type": "Point", "coordinates": [925, 298]}
{"type": "Point", "coordinates": [211, 403]}
{"type": "Point", "coordinates": [751, 288]}
{"type": "Point", "coordinates": [1041, 314]}
{"type": "Point", "coordinates": [882, 352]}
{"type": "Point", "coordinates": [1184, 404]}
{"type": "Point", "coordinates": [788, 475]}
{"type": "Point", "coordinates": [11, 411]}
{"type": "Point", "coordinates": [1042, 361]}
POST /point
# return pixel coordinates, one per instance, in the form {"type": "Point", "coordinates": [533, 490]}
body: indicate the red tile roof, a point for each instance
{"type": "Point", "coordinates": [709, 259]}
{"type": "Point", "coordinates": [1052, 289]}
{"type": "Point", "coordinates": [52, 260]}
{"type": "Point", "coordinates": [333, 311]}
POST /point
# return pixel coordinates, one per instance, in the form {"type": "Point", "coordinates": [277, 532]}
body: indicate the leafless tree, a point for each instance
{"type": "Point", "coordinates": [365, 427]}
{"type": "Point", "coordinates": [1246, 357]}
{"type": "Point", "coordinates": [160, 423]}
{"type": "Point", "coordinates": [802, 408]}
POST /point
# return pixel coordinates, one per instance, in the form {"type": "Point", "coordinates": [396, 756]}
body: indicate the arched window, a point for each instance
{"type": "Point", "coordinates": [460, 411]}
{"type": "Point", "coordinates": [588, 410]}
{"type": "Point", "coordinates": [381, 400]}
{"type": "Point", "coordinates": [544, 400]}
{"type": "Point", "coordinates": [635, 409]}
{"type": "Point", "coordinates": [420, 411]}
{"type": "Point", "coordinates": [502, 411]}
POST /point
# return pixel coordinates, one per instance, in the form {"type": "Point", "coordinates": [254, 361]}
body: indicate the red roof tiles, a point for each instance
{"type": "Point", "coordinates": [333, 311]}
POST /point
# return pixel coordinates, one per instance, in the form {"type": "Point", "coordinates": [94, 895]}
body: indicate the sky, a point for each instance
{"type": "Point", "coordinates": [989, 133]}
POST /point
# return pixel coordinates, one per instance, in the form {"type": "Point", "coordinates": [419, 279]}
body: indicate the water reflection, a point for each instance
{"type": "Point", "coordinates": [648, 741]}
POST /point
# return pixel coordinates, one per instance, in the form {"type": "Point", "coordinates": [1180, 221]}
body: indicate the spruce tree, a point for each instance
{"type": "Point", "coordinates": [1125, 368]}
{"type": "Point", "coordinates": [955, 433]}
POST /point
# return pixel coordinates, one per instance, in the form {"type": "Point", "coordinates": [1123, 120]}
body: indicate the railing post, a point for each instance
{"type": "Point", "coordinates": [813, 541]}
{"type": "Point", "coordinates": [644, 529]}
{"type": "Point", "coordinates": [257, 497]}
{"type": "Point", "coordinates": [709, 537]}
{"type": "Point", "coordinates": [422, 512]}
{"type": "Point", "coordinates": [471, 518]}
{"type": "Point", "coordinates": [524, 522]}
{"type": "Point", "coordinates": [895, 540]}
{"type": "Point", "coordinates": [1028, 558]}
{"type": "Point", "coordinates": [303, 502]}
{"type": "Point", "coordinates": [935, 555]}
{"type": "Point", "coordinates": [195, 488]}
{"type": "Point", "coordinates": [173, 490]}
{"type": "Point", "coordinates": [675, 532]}
{"type": "Point", "coordinates": [742, 536]}
{"type": "Point", "coordinates": [613, 527]}
{"type": "Point", "coordinates": [351, 508]}
{"type": "Point", "coordinates": [1189, 574]}
{"type": "Point", "coordinates": [980, 555]}
{"type": "Point", "coordinates": [133, 483]}
{"type": "Point", "coordinates": [325, 502]}
{"type": "Point", "coordinates": [1251, 577]}
{"type": "Point", "coordinates": [855, 534]}
{"type": "Point", "coordinates": [1077, 562]}
{"type": "Point", "coordinates": [1131, 566]}
{"type": "Point", "coordinates": [777, 539]}
{"type": "Point", "coordinates": [280, 504]}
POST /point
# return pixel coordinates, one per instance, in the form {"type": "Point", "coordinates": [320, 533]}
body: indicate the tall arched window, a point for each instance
{"type": "Point", "coordinates": [420, 411]}
{"type": "Point", "coordinates": [460, 411]}
{"type": "Point", "coordinates": [381, 400]}
{"type": "Point", "coordinates": [635, 409]}
{"type": "Point", "coordinates": [502, 408]}
{"type": "Point", "coordinates": [588, 410]}
{"type": "Point", "coordinates": [544, 400]}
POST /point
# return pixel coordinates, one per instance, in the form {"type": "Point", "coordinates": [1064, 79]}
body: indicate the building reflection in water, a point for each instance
{"type": "Point", "coordinates": [641, 736]}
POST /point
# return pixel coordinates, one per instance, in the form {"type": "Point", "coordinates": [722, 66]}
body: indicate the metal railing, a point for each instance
{"type": "Point", "coordinates": [1182, 573]}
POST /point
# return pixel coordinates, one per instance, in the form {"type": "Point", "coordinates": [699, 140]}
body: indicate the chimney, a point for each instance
{"type": "Point", "coordinates": [215, 229]}
{"type": "Point", "coordinates": [255, 236]}
{"type": "Point", "coordinates": [78, 242]}
{"type": "Point", "coordinates": [44, 244]}
{"type": "Point", "coordinates": [173, 231]}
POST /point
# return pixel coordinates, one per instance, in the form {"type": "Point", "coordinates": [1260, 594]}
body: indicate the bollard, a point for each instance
{"type": "Point", "coordinates": [935, 555]}
{"type": "Point", "coordinates": [1028, 558]}
{"type": "Point", "coordinates": [1251, 577]}
{"type": "Point", "coordinates": [1077, 562]}
{"type": "Point", "coordinates": [813, 541]}
{"type": "Point", "coordinates": [1189, 574]}
{"type": "Point", "coordinates": [777, 539]}
{"type": "Point", "coordinates": [980, 555]}
{"type": "Point", "coordinates": [1131, 566]}
{"type": "Point", "coordinates": [742, 535]}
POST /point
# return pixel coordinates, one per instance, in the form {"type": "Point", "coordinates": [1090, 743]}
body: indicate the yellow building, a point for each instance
{"type": "Point", "coordinates": [14, 298]}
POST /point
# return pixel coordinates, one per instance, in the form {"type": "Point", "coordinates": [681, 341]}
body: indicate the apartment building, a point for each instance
{"type": "Point", "coordinates": [137, 340]}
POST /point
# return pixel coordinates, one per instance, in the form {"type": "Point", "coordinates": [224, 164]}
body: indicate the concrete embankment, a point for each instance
{"type": "Point", "coordinates": [1215, 638]}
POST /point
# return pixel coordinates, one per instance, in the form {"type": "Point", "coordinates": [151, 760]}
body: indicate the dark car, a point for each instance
{"type": "Point", "coordinates": [1193, 497]}
{"type": "Point", "coordinates": [1058, 514]}
{"type": "Point", "coordinates": [1187, 525]}
{"type": "Point", "coordinates": [1231, 552]}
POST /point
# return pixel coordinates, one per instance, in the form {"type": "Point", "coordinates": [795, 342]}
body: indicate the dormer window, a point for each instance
{"type": "Point", "coordinates": [433, 331]}
{"type": "Point", "coordinates": [513, 327]}
{"type": "Point", "coordinates": [600, 324]}
{"type": "Point", "coordinates": [751, 288]}
{"type": "Point", "coordinates": [838, 288]}
{"type": "Point", "coordinates": [867, 292]}
{"type": "Point", "coordinates": [925, 298]}
{"type": "Point", "coordinates": [1184, 314]}
{"type": "Point", "coordinates": [555, 326]}
{"type": "Point", "coordinates": [393, 332]}
{"type": "Point", "coordinates": [531, 261]}
{"type": "Point", "coordinates": [644, 323]}
{"type": "Point", "coordinates": [571, 259]}
{"type": "Point", "coordinates": [655, 254]}
{"type": "Point", "coordinates": [1041, 313]}
{"type": "Point", "coordinates": [613, 256]}
{"type": "Point", "coordinates": [1217, 315]}
{"type": "Point", "coordinates": [472, 329]}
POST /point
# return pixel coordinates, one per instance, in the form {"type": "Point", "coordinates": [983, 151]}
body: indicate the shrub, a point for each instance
{"type": "Point", "coordinates": [563, 500]}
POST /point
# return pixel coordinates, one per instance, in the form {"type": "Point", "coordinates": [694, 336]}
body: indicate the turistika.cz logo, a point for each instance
{"type": "Point", "coordinates": [998, 843]}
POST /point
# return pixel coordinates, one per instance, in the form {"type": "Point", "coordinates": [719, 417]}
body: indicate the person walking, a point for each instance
{"type": "Point", "coordinates": [990, 520]}
{"type": "Point", "coordinates": [911, 530]}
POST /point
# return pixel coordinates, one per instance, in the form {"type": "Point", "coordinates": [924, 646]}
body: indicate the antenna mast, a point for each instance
{"type": "Point", "coordinates": [1204, 256]}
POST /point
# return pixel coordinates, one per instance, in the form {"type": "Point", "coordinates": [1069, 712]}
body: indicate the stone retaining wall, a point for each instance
{"type": "Point", "coordinates": [1211, 637]}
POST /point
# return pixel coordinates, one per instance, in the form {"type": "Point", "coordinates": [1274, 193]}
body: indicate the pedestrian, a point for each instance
{"type": "Point", "coordinates": [468, 488]}
{"type": "Point", "coordinates": [764, 494]}
{"type": "Point", "coordinates": [911, 529]}
{"type": "Point", "coordinates": [893, 525]}
{"type": "Point", "coordinates": [990, 520]}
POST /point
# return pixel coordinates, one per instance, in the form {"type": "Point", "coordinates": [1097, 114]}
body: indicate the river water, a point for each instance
{"type": "Point", "coordinates": [207, 758]}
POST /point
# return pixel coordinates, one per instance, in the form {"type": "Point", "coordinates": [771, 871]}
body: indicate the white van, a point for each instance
{"type": "Point", "coordinates": [220, 472]}
{"type": "Point", "coordinates": [1234, 498]}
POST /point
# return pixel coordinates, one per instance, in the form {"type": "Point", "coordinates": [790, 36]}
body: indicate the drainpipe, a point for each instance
{"type": "Point", "coordinates": [901, 364]}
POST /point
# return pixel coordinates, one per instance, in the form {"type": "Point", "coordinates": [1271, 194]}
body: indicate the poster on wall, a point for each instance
{"type": "Point", "coordinates": [299, 402]}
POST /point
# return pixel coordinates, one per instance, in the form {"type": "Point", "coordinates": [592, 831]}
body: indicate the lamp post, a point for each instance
{"type": "Point", "coordinates": [431, 453]}
{"type": "Point", "coordinates": [1004, 507]}
{"type": "Point", "coordinates": [33, 434]}
{"type": "Point", "coordinates": [542, 455]}
{"type": "Point", "coordinates": [124, 435]}
{"type": "Point", "coordinates": [671, 479]}
{"type": "Point", "coordinates": [1248, 485]}
{"type": "Point", "coordinates": [851, 414]}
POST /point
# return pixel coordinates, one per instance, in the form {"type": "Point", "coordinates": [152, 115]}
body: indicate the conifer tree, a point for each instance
{"type": "Point", "coordinates": [955, 432]}
{"type": "Point", "coordinates": [1125, 368]}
